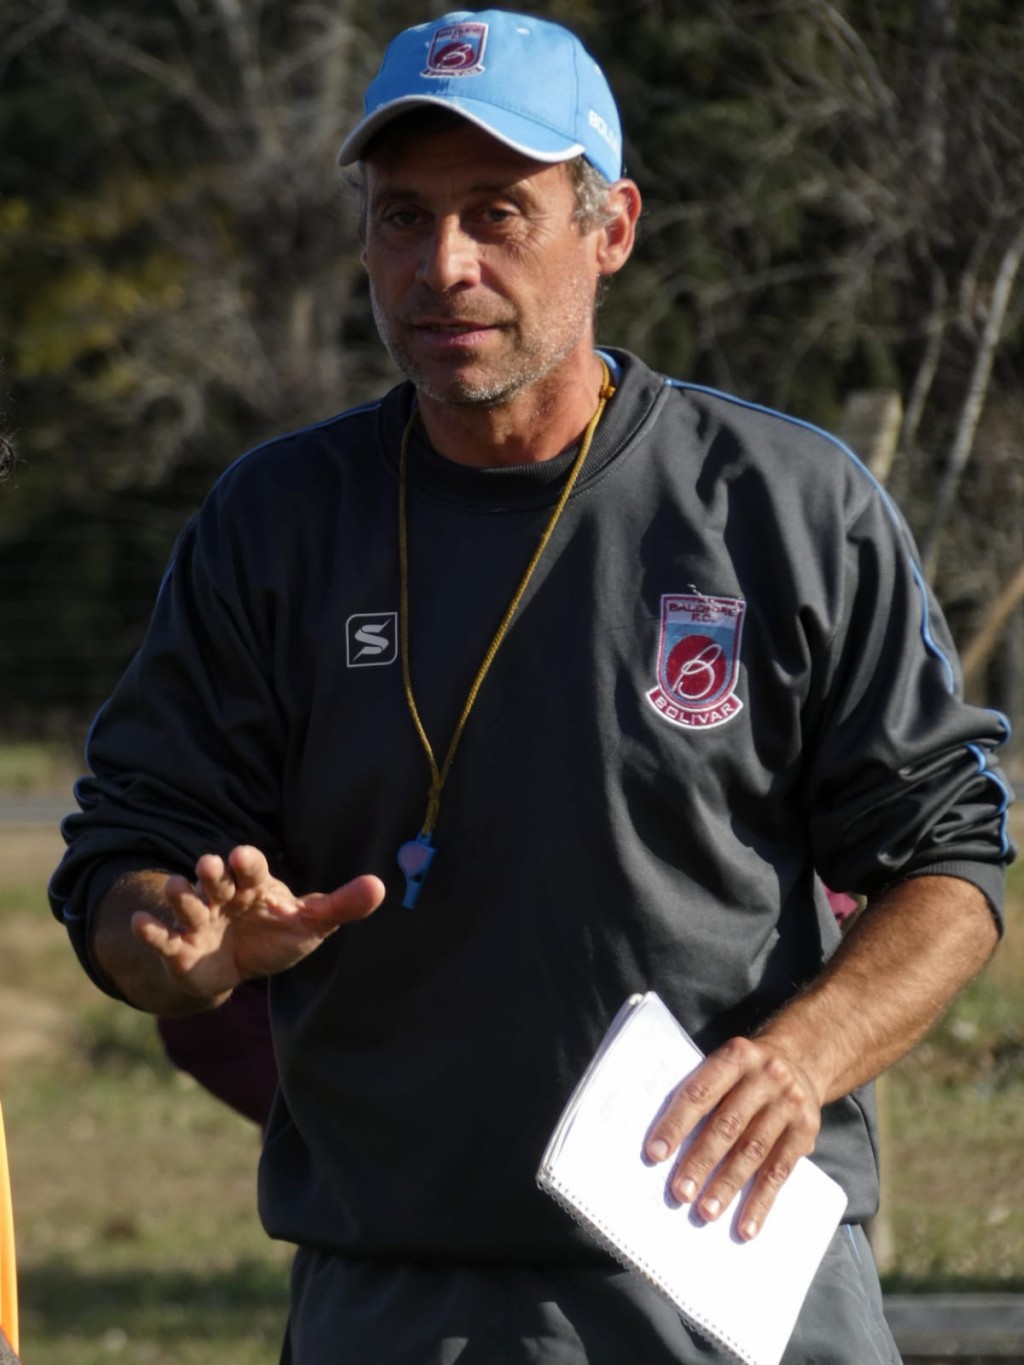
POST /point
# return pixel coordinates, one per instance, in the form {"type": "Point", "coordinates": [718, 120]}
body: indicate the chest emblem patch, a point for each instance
{"type": "Point", "coordinates": [698, 660]}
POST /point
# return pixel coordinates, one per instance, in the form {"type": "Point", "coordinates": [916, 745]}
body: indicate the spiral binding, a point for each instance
{"type": "Point", "coordinates": [549, 1183]}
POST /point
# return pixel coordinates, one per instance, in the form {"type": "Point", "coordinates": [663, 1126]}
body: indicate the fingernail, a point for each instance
{"type": "Point", "coordinates": [748, 1230]}
{"type": "Point", "coordinates": [658, 1149]}
{"type": "Point", "coordinates": [711, 1208]}
{"type": "Point", "coordinates": [685, 1191]}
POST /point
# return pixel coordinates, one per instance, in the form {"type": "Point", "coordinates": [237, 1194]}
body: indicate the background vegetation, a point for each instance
{"type": "Point", "coordinates": [835, 201]}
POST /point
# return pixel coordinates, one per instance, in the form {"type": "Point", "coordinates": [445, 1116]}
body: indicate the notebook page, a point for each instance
{"type": "Point", "coordinates": [745, 1294]}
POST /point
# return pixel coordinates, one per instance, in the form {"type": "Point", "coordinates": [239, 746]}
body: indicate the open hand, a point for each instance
{"type": "Point", "coordinates": [237, 921]}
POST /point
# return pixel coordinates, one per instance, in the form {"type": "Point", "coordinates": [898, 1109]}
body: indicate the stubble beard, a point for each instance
{"type": "Point", "coordinates": [529, 364]}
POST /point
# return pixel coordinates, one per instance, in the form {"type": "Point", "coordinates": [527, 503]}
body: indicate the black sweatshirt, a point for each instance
{"type": "Point", "coordinates": [725, 683]}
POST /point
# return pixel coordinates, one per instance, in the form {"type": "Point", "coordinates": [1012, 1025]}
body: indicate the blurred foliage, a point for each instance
{"type": "Point", "coordinates": [831, 190]}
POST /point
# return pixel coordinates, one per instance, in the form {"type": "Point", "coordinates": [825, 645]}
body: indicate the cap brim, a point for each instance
{"type": "Point", "coordinates": [521, 134]}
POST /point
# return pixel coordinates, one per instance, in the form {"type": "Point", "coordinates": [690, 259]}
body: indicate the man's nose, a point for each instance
{"type": "Point", "coordinates": [450, 257]}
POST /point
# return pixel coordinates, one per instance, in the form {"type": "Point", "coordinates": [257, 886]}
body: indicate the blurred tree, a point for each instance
{"type": "Point", "coordinates": [187, 262]}
{"type": "Point", "coordinates": [834, 194]}
{"type": "Point", "coordinates": [180, 279]}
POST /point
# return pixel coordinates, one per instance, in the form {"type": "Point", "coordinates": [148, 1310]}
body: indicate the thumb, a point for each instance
{"type": "Point", "coordinates": [355, 900]}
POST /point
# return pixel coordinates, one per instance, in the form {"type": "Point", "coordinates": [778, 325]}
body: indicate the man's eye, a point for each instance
{"type": "Point", "coordinates": [401, 217]}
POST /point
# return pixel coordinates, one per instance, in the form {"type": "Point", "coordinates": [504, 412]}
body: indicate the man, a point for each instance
{"type": "Point", "coordinates": [556, 680]}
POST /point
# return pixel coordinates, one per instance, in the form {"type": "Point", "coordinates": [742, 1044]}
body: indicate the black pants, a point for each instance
{"type": "Point", "coordinates": [354, 1313]}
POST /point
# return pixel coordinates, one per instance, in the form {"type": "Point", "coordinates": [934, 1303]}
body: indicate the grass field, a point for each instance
{"type": "Point", "coordinates": [135, 1202]}
{"type": "Point", "coordinates": [137, 1234]}
{"type": "Point", "coordinates": [956, 1119]}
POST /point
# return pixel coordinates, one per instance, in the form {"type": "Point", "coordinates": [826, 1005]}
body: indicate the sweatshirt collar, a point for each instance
{"type": "Point", "coordinates": [638, 389]}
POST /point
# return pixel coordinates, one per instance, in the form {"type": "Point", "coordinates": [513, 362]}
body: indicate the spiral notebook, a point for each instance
{"type": "Point", "coordinates": [744, 1296]}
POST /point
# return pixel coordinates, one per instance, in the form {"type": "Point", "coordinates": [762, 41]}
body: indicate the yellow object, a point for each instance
{"type": "Point", "coordinates": [8, 1269]}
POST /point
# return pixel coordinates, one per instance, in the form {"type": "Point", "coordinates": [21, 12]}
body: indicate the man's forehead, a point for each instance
{"type": "Point", "coordinates": [458, 150]}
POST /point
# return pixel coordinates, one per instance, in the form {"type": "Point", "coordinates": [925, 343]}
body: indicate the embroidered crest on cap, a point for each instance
{"type": "Point", "coordinates": [698, 660]}
{"type": "Point", "coordinates": [457, 50]}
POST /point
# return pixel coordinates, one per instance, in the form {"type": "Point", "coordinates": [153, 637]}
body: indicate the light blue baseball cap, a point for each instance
{"type": "Point", "coordinates": [526, 81]}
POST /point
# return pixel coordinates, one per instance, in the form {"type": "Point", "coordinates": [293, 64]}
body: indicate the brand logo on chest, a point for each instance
{"type": "Point", "coordinates": [371, 638]}
{"type": "Point", "coordinates": [698, 660]}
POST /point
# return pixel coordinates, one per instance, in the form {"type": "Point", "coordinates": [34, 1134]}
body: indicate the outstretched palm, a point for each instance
{"type": "Point", "coordinates": [237, 922]}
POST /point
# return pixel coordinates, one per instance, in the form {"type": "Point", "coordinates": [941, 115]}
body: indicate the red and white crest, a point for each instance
{"type": "Point", "coordinates": [698, 660]}
{"type": "Point", "coordinates": [457, 50]}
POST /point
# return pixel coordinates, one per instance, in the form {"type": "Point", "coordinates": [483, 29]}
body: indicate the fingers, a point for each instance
{"type": "Point", "coordinates": [238, 883]}
{"type": "Point", "coordinates": [246, 871]}
{"type": "Point", "coordinates": [250, 867]}
{"type": "Point", "coordinates": [237, 921]}
{"type": "Point", "coordinates": [243, 885]}
{"type": "Point", "coordinates": [761, 1115]}
{"type": "Point", "coordinates": [766, 1185]}
{"type": "Point", "coordinates": [189, 905]}
{"type": "Point", "coordinates": [354, 901]}
{"type": "Point", "coordinates": [155, 933]}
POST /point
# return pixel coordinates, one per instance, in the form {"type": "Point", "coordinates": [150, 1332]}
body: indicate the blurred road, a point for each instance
{"type": "Point", "coordinates": [957, 1327]}
{"type": "Point", "coordinates": [35, 810]}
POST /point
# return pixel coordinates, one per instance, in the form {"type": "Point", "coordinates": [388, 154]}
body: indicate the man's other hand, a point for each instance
{"type": "Point", "coordinates": [761, 1115]}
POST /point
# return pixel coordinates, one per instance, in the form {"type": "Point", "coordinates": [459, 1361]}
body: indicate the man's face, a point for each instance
{"type": "Point", "coordinates": [482, 284]}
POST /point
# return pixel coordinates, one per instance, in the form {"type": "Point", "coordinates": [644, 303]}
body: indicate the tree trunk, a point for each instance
{"type": "Point", "coordinates": [979, 649]}
{"type": "Point", "coordinates": [977, 390]}
{"type": "Point", "coordinates": [935, 29]}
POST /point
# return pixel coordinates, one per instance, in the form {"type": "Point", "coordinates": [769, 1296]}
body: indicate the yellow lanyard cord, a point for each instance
{"type": "Point", "coordinates": [439, 776]}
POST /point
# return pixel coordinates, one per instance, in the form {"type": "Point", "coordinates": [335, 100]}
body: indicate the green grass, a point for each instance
{"type": "Point", "coordinates": [138, 1240]}
{"type": "Point", "coordinates": [135, 1203]}
{"type": "Point", "coordinates": [956, 1116]}
{"type": "Point", "coordinates": [30, 767]}
{"type": "Point", "coordinates": [160, 1317]}
{"type": "Point", "coordinates": [958, 1183]}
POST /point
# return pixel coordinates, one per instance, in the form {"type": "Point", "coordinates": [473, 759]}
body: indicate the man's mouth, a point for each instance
{"type": "Point", "coordinates": [456, 326]}
{"type": "Point", "coordinates": [454, 336]}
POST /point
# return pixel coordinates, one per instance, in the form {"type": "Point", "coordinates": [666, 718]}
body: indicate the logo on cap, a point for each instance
{"type": "Point", "coordinates": [457, 50]}
{"type": "Point", "coordinates": [600, 126]}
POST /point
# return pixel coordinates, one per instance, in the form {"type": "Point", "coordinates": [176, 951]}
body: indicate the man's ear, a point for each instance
{"type": "Point", "coordinates": [617, 236]}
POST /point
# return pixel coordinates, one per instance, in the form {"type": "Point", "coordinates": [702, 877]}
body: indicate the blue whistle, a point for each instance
{"type": "Point", "coordinates": [414, 858]}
